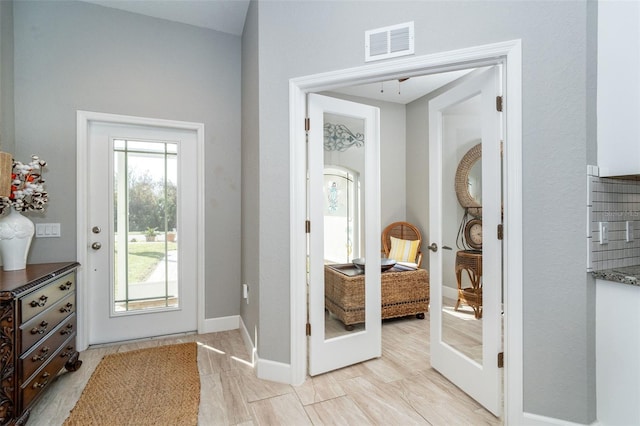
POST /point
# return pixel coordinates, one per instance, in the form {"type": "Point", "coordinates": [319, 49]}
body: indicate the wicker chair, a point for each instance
{"type": "Point", "coordinates": [470, 261]}
{"type": "Point", "coordinates": [404, 231]}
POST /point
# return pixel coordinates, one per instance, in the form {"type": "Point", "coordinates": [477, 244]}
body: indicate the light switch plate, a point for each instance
{"type": "Point", "coordinates": [47, 230]}
{"type": "Point", "coordinates": [604, 232]}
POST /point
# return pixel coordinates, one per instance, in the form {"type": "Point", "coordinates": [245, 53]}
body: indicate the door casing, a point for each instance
{"type": "Point", "coordinates": [508, 53]}
{"type": "Point", "coordinates": [83, 120]}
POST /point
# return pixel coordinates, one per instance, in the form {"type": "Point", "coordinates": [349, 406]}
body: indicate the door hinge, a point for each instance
{"type": "Point", "coordinates": [500, 232]}
{"type": "Point", "coordinates": [308, 329]}
{"type": "Point", "coordinates": [499, 103]}
{"type": "Point", "coordinates": [307, 226]}
{"type": "Point", "coordinates": [501, 360]}
{"type": "Point", "coordinates": [307, 124]}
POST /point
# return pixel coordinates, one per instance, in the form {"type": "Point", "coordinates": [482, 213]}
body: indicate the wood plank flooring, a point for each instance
{"type": "Point", "coordinates": [400, 388]}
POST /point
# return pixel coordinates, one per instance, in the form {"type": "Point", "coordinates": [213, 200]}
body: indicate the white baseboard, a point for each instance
{"type": "Point", "coordinates": [248, 343]}
{"type": "Point", "coordinates": [264, 368]}
{"type": "Point", "coordinates": [273, 370]}
{"type": "Point", "coordinates": [449, 292]}
{"type": "Point", "coordinates": [529, 419]}
{"type": "Point", "coordinates": [213, 325]}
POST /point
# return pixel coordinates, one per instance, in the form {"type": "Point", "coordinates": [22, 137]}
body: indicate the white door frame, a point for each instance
{"type": "Point", "coordinates": [510, 54]}
{"type": "Point", "coordinates": [83, 120]}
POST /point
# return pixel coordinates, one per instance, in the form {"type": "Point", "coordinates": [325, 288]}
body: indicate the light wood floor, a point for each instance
{"type": "Point", "coordinates": [400, 388]}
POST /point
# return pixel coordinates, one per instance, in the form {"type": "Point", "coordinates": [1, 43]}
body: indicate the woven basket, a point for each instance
{"type": "Point", "coordinates": [402, 294]}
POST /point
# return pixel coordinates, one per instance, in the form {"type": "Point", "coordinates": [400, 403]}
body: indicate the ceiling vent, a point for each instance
{"type": "Point", "coordinates": [389, 42]}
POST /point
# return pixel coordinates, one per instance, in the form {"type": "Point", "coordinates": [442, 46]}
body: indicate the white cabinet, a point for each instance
{"type": "Point", "coordinates": [618, 102]}
{"type": "Point", "coordinates": [617, 353]}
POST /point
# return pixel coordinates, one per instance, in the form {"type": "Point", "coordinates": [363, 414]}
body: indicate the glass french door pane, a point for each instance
{"type": "Point", "coordinates": [343, 188]}
{"type": "Point", "coordinates": [461, 325]}
{"type": "Point", "coordinates": [145, 238]}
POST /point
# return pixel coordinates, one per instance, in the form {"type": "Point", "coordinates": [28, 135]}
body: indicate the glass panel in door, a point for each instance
{"type": "Point", "coordinates": [344, 163]}
{"type": "Point", "coordinates": [145, 215]}
{"type": "Point", "coordinates": [462, 267]}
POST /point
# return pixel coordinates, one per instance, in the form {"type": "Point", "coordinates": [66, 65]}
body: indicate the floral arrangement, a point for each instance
{"type": "Point", "coordinates": [27, 187]}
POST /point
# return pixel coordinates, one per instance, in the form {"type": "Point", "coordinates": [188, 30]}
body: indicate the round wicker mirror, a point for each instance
{"type": "Point", "coordinates": [463, 181]}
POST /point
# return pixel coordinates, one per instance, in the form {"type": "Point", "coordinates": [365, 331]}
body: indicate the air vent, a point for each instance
{"type": "Point", "coordinates": [389, 42]}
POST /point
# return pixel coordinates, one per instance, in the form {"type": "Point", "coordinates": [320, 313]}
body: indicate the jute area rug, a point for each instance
{"type": "Point", "coordinates": [155, 386]}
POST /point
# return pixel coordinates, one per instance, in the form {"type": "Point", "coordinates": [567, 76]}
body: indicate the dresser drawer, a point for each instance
{"type": "Point", "coordinates": [35, 302]}
{"type": "Point", "coordinates": [43, 351]}
{"type": "Point", "coordinates": [33, 387]}
{"type": "Point", "coordinates": [34, 330]}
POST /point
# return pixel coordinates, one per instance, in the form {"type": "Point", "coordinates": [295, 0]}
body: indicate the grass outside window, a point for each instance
{"type": "Point", "coordinates": [144, 257]}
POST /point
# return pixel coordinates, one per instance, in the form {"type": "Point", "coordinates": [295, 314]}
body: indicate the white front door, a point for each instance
{"type": "Point", "coordinates": [465, 343]}
{"type": "Point", "coordinates": [141, 258]}
{"type": "Point", "coordinates": [344, 214]}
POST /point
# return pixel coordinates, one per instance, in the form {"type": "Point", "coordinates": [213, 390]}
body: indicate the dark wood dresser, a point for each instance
{"type": "Point", "coordinates": [37, 333]}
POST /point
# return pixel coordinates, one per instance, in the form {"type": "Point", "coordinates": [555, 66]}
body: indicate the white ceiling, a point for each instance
{"type": "Point", "coordinates": [405, 91]}
{"type": "Point", "coordinates": [227, 16]}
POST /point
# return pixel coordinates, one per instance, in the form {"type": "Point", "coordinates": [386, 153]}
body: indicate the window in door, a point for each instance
{"type": "Point", "coordinates": [145, 246]}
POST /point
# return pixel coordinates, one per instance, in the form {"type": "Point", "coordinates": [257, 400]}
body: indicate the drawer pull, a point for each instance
{"type": "Point", "coordinates": [37, 385]}
{"type": "Point", "coordinates": [66, 286]}
{"type": "Point", "coordinates": [45, 355]}
{"type": "Point", "coordinates": [67, 308]}
{"type": "Point", "coordinates": [70, 351]}
{"type": "Point", "coordinates": [40, 330]}
{"type": "Point", "coordinates": [67, 330]}
{"type": "Point", "coordinates": [40, 302]}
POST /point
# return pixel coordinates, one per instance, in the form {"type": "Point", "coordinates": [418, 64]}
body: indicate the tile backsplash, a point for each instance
{"type": "Point", "coordinates": [615, 201]}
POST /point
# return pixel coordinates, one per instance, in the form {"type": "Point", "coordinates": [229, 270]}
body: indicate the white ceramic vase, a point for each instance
{"type": "Point", "coordinates": [16, 233]}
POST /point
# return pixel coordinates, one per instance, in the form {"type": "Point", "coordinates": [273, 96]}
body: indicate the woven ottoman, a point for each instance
{"type": "Point", "coordinates": [403, 293]}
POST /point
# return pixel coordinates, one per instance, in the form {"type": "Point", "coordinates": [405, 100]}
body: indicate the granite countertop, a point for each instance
{"type": "Point", "coordinates": [625, 275]}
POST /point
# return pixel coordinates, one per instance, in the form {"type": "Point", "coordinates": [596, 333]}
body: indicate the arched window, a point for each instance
{"type": "Point", "coordinates": [341, 215]}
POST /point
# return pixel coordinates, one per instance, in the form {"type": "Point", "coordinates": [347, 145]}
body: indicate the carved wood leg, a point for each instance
{"type": "Point", "coordinates": [74, 362]}
{"type": "Point", "coordinates": [24, 418]}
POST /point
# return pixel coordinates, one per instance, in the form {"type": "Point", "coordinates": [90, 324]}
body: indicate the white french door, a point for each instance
{"type": "Point", "coordinates": [465, 348]}
{"type": "Point", "coordinates": [345, 136]}
{"type": "Point", "coordinates": [141, 258]}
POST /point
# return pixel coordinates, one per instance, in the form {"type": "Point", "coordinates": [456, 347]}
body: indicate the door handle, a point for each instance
{"type": "Point", "coordinates": [446, 248]}
{"type": "Point", "coordinates": [96, 246]}
{"type": "Point", "coordinates": [433, 247]}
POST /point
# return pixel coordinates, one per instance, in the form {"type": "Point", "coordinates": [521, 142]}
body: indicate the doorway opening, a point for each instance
{"type": "Point", "coordinates": [507, 53]}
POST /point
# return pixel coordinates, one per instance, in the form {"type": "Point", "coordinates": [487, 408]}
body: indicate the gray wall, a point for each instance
{"type": "Point", "coordinates": [77, 56]}
{"type": "Point", "coordinates": [250, 172]}
{"type": "Point", "coordinates": [418, 168]}
{"type": "Point", "coordinates": [558, 328]}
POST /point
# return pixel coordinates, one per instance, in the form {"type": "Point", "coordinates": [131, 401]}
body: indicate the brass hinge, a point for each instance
{"type": "Point", "coordinates": [307, 124]}
{"type": "Point", "coordinates": [499, 103]}
{"type": "Point", "coordinates": [500, 232]}
{"type": "Point", "coordinates": [307, 226]}
{"type": "Point", "coordinates": [501, 360]}
{"type": "Point", "coordinates": [308, 329]}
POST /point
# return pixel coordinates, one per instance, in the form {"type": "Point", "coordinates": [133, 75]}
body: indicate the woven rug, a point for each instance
{"type": "Point", "coordinates": [156, 386]}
